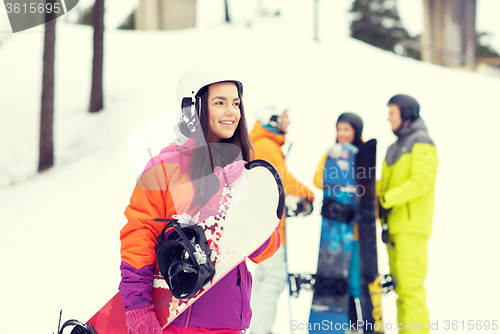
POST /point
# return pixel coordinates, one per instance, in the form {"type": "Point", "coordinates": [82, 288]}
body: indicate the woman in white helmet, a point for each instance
{"type": "Point", "coordinates": [212, 132]}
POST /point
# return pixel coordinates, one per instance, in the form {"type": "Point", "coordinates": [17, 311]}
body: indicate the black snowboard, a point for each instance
{"type": "Point", "coordinates": [371, 285]}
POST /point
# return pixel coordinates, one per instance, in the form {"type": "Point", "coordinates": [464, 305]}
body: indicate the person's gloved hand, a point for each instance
{"type": "Point", "coordinates": [385, 236]}
{"type": "Point", "coordinates": [304, 207]}
{"type": "Point", "coordinates": [230, 173]}
{"type": "Point", "coordinates": [382, 212]}
{"type": "Point", "coordinates": [297, 206]}
{"type": "Point", "coordinates": [143, 321]}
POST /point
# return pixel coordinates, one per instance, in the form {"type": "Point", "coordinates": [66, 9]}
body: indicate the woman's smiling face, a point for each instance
{"type": "Point", "coordinates": [223, 110]}
{"type": "Point", "coordinates": [345, 133]}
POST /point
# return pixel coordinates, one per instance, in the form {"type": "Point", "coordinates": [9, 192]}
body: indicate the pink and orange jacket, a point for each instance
{"type": "Point", "coordinates": [163, 191]}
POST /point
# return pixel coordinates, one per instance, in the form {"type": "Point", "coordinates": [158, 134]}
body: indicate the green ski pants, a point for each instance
{"type": "Point", "coordinates": [408, 264]}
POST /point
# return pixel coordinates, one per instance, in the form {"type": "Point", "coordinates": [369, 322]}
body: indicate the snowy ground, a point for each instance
{"type": "Point", "coordinates": [59, 246]}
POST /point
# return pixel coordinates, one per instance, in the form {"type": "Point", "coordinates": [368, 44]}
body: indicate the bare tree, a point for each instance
{"type": "Point", "coordinates": [228, 19]}
{"type": "Point", "coordinates": [46, 158]}
{"type": "Point", "coordinates": [96, 95]}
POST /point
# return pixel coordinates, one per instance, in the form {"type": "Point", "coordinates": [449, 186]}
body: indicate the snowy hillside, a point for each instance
{"type": "Point", "coordinates": [59, 245]}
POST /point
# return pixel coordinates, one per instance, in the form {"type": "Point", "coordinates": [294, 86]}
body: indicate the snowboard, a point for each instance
{"type": "Point", "coordinates": [233, 233]}
{"type": "Point", "coordinates": [330, 303]}
{"type": "Point", "coordinates": [356, 243]}
{"type": "Point", "coordinates": [233, 227]}
{"type": "Point", "coordinates": [372, 285]}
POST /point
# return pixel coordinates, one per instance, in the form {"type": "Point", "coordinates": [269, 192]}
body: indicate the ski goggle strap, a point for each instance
{"type": "Point", "coordinates": [190, 112]}
{"type": "Point", "coordinates": [276, 122]}
{"type": "Point", "coordinates": [80, 327]}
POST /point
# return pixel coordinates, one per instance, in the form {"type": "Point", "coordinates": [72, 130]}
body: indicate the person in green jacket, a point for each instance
{"type": "Point", "coordinates": [406, 206]}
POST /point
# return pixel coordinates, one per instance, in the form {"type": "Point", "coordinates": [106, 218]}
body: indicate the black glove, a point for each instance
{"type": "Point", "coordinates": [385, 236]}
{"type": "Point", "coordinates": [296, 206]}
{"type": "Point", "coordinates": [382, 212]}
{"type": "Point", "coordinates": [304, 207]}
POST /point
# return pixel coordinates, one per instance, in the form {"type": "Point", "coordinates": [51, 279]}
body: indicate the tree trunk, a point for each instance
{"type": "Point", "coordinates": [228, 19]}
{"type": "Point", "coordinates": [46, 158]}
{"type": "Point", "coordinates": [96, 95]}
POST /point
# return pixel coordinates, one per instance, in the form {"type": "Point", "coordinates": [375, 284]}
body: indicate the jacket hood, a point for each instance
{"type": "Point", "coordinates": [173, 154]}
{"type": "Point", "coordinates": [416, 125]}
{"type": "Point", "coordinates": [259, 132]}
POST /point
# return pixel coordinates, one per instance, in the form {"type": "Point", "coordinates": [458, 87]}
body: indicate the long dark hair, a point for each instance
{"type": "Point", "coordinates": [206, 158]}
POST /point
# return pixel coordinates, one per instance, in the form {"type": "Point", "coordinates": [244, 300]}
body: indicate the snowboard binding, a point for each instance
{"type": "Point", "coordinates": [184, 259]}
{"type": "Point", "coordinates": [79, 327]}
{"type": "Point", "coordinates": [388, 283]}
{"type": "Point", "coordinates": [298, 281]}
{"type": "Point", "coordinates": [320, 284]}
{"type": "Point", "coordinates": [331, 286]}
{"type": "Point", "coordinates": [332, 209]}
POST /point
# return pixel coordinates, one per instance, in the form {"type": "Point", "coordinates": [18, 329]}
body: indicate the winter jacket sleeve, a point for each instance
{"type": "Point", "coordinates": [423, 169]}
{"type": "Point", "coordinates": [320, 170]}
{"type": "Point", "coordinates": [268, 248]}
{"type": "Point", "coordinates": [151, 199]}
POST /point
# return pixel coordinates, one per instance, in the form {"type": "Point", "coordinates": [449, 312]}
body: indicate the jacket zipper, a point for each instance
{"type": "Point", "coordinates": [408, 210]}
{"type": "Point", "coordinates": [188, 316]}
{"type": "Point", "coordinates": [238, 282]}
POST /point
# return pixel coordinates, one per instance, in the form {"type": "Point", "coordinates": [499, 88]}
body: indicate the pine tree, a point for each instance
{"type": "Point", "coordinates": [226, 12]}
{"type": "Point", "coordinates": [484, 49]}
{"type": "Point", "coordinates": [377, 22]}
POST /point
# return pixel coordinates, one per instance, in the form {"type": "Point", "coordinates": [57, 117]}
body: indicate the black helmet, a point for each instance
{"type": "Point", "coordinates": [409, 107]}
{"type": "Point", "coordinates": [184, 259]}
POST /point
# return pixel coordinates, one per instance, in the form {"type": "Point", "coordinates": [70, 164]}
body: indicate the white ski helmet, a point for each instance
{"type": "Point", "coordinates": [270, 114]}
{"type": "Point", "coordinates": [194, 79]}
{"type": "Point", "coordinates": [203, 74]}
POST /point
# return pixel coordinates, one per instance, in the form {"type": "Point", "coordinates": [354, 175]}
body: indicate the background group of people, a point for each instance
{"type": "Point", "coordinates": [406, 201]}
{"type": "Point", "coordinates": [217, 118]}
